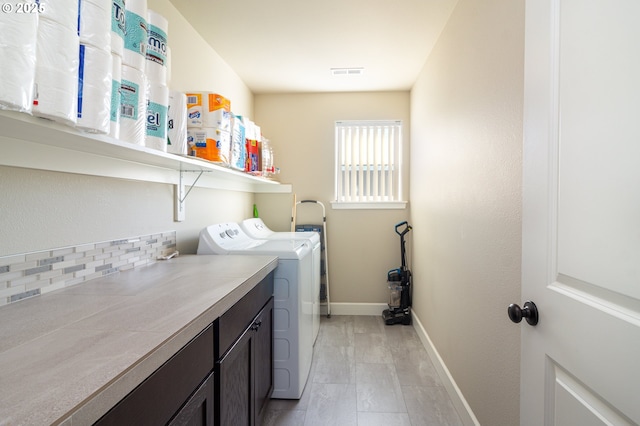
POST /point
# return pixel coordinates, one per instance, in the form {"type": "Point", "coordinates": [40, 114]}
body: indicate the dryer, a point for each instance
{"type": "Point", "coordinates": [293, 324]}
{"type": "Point", "coordinates": [256, 228]}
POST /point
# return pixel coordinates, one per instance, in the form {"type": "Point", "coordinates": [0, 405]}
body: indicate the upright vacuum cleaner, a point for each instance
{"type": "Point", "coordinates": [399, 281]}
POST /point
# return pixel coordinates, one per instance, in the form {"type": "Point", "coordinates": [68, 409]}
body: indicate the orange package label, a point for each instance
{"type": "Point", "coordinates": [217, 102]}
{"type": "Point", "coordinates": [194, 99]}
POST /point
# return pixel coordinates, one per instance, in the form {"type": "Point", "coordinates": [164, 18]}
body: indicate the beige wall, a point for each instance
{"type": "Point", "coordinates": [466, 145]}
{"type": "Point", "coordinates": [43, 210]}
{"type": "Point", "coordinates": [362, 243]}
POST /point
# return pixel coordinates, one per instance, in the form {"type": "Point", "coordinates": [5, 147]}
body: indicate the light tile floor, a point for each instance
{"type": "Point", "coordinates": [365, 373]}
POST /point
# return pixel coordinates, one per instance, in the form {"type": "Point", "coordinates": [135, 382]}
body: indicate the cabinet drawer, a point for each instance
{"type": "Point", "coordinates": [233, 322]}
{"type": "Point", "coordinates": [156, 400]}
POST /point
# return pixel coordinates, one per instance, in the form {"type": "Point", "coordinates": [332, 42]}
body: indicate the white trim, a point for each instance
{"type": "Point", "coordinates": [378, 205]}
{"type": "Point", "coordinates": [458, 400]}
{"type": "Point", "coordinates": [354, 308]}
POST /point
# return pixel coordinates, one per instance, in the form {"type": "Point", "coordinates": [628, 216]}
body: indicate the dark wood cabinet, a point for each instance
{"type": "Point", "coordinates": [198, 411]}
{"type": "Point", "coordinates": [263, 361]}
{"type": "Point", "coordinates": [244, 368]}
{"type": "Point", "coordinates": [157, 400]}
{"type": "Point", "coordinates": [234, 377]}
{"type": "Point", "coordinates": [223, 376]}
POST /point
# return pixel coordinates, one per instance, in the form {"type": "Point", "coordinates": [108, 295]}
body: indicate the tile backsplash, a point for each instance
{"type": "Point", "coordinates": [31, 274]}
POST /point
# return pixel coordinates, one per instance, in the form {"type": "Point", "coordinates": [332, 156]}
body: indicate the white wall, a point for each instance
{"type": "Point", "coordinates": [466, 152]}
{"type": "Point", "coordinates": [362, 243]}
{"type": "Point", "coordinates": [42, 210]}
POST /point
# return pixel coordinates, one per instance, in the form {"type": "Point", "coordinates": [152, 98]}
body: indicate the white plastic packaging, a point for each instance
{"type": "Point", "coordinates": [156, 64]}
{"type": "Point", "coordinates": [156, 121]}
{"type": "Point", "coordinates": [118, 25]}
{"type": "Point", "coordinates": [95, 77]}
{"type": "Point", "coordinates": [177, 123]}
{"type": "Point", "coordinates": [135, 36]}
{"type": "Point", "coordinates": [56, 82]}
{"type": "Point", "coordinates": [95, 23]}
{"type": "Point", "coordinates": [19, 32]}
{"type": "Point", "coordinates": [133, 103]}
{"type": "Point", "coordinates": [116, 80]}
{"type": "Point", "coordinates": [64, 12]}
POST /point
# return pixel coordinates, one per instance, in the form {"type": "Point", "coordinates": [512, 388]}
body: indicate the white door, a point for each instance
{"type": "Point", "coordinates": [581, 217]}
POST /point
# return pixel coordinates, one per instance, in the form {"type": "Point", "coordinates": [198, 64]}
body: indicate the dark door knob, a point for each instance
{"type": "Point", "coordinates": [529, 312]}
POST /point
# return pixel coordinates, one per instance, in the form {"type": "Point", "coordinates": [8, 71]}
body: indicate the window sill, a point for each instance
{"type": "Point", "coordinates": [374, 205]}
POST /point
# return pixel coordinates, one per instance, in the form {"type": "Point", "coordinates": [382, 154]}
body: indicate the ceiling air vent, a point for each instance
{"type": "Point", "coordinates": [347, 71]}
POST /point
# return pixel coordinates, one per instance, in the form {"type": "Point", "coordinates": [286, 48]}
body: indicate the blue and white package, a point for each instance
{"type": "Point", "coordinates": [156, 117]}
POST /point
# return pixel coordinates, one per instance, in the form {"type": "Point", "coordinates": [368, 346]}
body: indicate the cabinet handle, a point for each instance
{"type": "Point", "coordinates": [256, 325]}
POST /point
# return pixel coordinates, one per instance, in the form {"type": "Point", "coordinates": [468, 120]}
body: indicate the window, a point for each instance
{"type": "Point", "coordinates": [368, 170]}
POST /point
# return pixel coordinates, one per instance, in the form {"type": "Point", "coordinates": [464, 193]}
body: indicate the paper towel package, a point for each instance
{"type": "Point", "coordinates": [135, 35]}
{"type": "Point", "coordinates": [133, 102]}
{"type": "Point", "coordinates": [18, 64]}
{"type": "Point", "coordinates": [156, 124]}
{"type": "Point", "coordinates": [95, 23]}
{"type": "Point", "coordinates": [177, 123]}
{"type": "Point", "coordinates": [117, 27]}
{"type": "Point", "coordinates": [64, 12]}
{"type": "Point", "coordinates": [168, 63]}
{"type": "Point", "coordinates": [210, 143]}
{"type": "Point", "coordinates": [238, 147]}
{"type": "Point", "coordinates": [116, 80]}
{"type": "Point", "coordinates": [94, 89]}
{"type": "Point", "coordinates": [156, 65]}
{"type": "Point", "coordinates": [208, 110]}
{"type": "Point", "coordinates": [56, 81]}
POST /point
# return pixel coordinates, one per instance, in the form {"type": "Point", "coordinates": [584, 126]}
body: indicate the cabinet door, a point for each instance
{"type": "Point", "coordinates": [198, 411]}
{"type": "Point", "coordinates": [263, 360]}
{"type": "Point", "coordinates": [235, 392]}
{"type": "Point", "coordinates": [161, 395]}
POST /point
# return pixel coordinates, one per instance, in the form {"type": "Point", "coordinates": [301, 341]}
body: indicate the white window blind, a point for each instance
{"type": "Point", "coordinates": [368, 161]}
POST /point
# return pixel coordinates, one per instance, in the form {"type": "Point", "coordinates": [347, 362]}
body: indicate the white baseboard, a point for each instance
{"type": "Point", "coordinates": [354, 308]}
{"type": "Point", "coordinates": [458, 400]}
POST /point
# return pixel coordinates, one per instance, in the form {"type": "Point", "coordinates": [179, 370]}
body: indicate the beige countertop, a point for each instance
{"type": "Point", "coordinates": [68, 356]}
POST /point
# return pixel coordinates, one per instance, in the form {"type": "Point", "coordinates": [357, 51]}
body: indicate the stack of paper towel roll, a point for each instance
{"type": "Point", "coordinates": [19, 33]}
{"type": "Point", "coordinates": [117, 51]}
{"type": "Point", "coordinates": [209, 126]}
{"type": "Point", "coordinates": [157, 90]}
{"type": "Point", "coordinates": [95, 76]}
{"type": "Point", "coordinates": [133, 84]}
{"type": "Point", "coordinates": [55, 93]}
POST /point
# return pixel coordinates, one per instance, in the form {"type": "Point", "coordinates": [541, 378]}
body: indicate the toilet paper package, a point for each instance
{"type": "Point", "coordinates": [156, 123]}
{"type": "Point", "coordinates": [64, 12]}
{"type": "Point", "coordinates": [116, 80]}
{"type": "Point", "coordinates": [135, 35]}
{"type": "Point", "coordinates": [208, 110]}
{"type": "Point", "coordinates": [238, 148]}
{"type": "Point", "coordinates": [94, 23]}
{"type": "Point", "coordinates": [94, 89]}
{"type": "Point", "coordinates": [117, 27]}
{"type": "Point", "coordinates": [19, 33]}
{"type": "Point", "coordinates": [56, 80]}
{"type": "Point", "coordinates": [133, 103]}
{"type": "Point", "coordinates": [177, 123]}
{"type": "Point", "coordinates": [18, 69]}
{"type": "Point", "coordinates": [210, 143]}
{"type": "Point", "coordinates": [156, 65]}
{"type": "Point", "coordinates": [18, 76]}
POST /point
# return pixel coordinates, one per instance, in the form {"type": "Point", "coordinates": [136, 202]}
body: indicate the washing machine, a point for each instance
{"type": "Point", "coordinates": [256, 228]}
{"type": "Point", "coordinates": [292, 324]}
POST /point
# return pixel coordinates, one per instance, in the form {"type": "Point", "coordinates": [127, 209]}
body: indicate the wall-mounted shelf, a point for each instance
{"type": "Point", "coordinates": [36, 143]}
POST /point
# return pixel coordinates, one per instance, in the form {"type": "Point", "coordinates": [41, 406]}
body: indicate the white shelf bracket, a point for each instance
{"type": "Point", "coordinates": [179, 194]}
